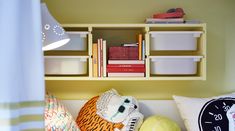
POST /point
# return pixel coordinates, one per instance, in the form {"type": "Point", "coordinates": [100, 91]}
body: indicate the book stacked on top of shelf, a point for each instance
{"type": "Point", "coordinates": [99, 58]}
{"type": "Point", "coordinates": [172, 16]}
{"type": "Point", "coordinates": [164, 21]}
{"type": "Point", "coordinates": [127, 60]}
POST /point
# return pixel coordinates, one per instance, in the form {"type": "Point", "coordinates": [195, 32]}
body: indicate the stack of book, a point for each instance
{"type": "Point", "coordinates": [172, 16]}
{"type": "Point", "coordinates": [164, 21]}
{"type": "Point", "coordinates": [99, 58]}
{"type": "Point", "coordinates": [123, 53]}
{"type": "Point", "coordinates": [121, 68]}
{"type": "Point", "coordinates": [127, 60]}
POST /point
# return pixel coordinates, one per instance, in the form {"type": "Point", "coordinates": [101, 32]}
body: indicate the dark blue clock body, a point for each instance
{"type": "Point", "coordinates": [213, 117]}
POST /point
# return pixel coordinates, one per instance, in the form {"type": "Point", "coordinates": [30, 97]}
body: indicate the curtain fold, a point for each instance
{"type": "Point", "coordinates": [21, 66]}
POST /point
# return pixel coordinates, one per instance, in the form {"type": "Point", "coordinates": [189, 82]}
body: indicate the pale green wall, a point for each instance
{"type": "Point", "coordinates": [230, 47]}
{"type": "Point", "coordinates": [220, 19]}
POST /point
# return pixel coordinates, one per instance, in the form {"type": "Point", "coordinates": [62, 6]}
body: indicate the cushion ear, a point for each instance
{"type": "Point", "coordinates": [114, 91]}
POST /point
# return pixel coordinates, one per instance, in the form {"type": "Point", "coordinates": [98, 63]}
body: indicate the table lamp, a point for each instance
{"type": "Point", "coordinates": [53, 35]}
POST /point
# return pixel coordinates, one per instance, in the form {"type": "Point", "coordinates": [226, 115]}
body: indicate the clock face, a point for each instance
{"type": "Point", "coordinates": [213, 117]}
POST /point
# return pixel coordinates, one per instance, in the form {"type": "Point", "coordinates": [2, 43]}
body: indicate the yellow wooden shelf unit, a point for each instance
{"type": "Point", "coordinates": [121, 33]}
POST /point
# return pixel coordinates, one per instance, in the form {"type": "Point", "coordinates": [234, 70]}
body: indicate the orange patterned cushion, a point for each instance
{"type": "Point", "coordinates": [88, 120]}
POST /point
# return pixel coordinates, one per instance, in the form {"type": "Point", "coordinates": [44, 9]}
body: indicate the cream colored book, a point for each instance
{"type": "Point", "coordinates": [95, 59]}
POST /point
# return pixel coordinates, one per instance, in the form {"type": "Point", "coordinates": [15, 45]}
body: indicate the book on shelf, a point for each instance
{"type": "Point", "coordinates": [126, 74]}
{"type": "Point", "coordinates": [125, 65]}
{"type": "Point", "coordinates": [130, 44]}
{"type": "Point", "coordinates": [193, 21]}
{"type": "Point", "coordinates": [140, 46]}
{"type": "Point", "coordinates": [125, 69]}
{"type": "Point", "coordinates": [123, 53]}
{"type": "Point", "coordinates": [143, 50]}
{"type": "Point", "coordinates": [104, 58]}
{"type": "Point", "coordinates": [125, 61]}
{"type": "Point", "coordinates": [99, 58]}
{"type": "Point", "coordinates": [164, 21]}
{"type": "Point", "coordinates": [95, 59]}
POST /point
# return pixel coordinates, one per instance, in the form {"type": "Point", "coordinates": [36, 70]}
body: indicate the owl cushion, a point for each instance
{"type": "Point", "coordinates": [110, 111]}
{"type": "Point", "coordinates": [57, 117]}
{"type": "Point", "coordinates": [206, 114]}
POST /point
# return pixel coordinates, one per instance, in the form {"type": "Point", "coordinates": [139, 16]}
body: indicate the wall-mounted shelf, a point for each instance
{"type": "Point", "coordinates": [115, 34]}
{"type": "Point", "coordinates": [71, 78]}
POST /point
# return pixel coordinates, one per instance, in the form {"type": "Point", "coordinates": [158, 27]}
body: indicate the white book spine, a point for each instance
{"type": "Point", "coordinates": [104, 59]}
{"type": "Point", "coordinates": [143, 50]}
{"type": "Point", "coordinates": [99, 58]}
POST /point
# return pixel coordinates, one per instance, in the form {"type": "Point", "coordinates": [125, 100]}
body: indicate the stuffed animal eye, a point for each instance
{"type": "Point", "coordinates": [127, 101]}
{"type": "Point", "coordinates": [121, 109]}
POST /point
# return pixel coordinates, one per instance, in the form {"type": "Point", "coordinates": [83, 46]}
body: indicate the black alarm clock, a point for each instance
{"type": "Point", "coordinates": [213, 117]}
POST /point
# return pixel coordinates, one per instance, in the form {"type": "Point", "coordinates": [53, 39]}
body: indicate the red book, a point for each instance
{"type": "Point", "coordinates": [125, 65]}
{"type": "Point", "coordinates": [125, 69]}
{"type": "Point", "coordinates": [125, 62]}
{"type": "Point", "coordinates": [123, 53]}
{"type": "Point", "coordinates": [126, 74]}
{"type": "Point", "coordinates": [178, 13]}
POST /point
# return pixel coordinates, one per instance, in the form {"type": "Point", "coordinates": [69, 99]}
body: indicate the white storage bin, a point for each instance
{"type": "Point", "coordinates": [174, 65]}
{"type": "Point", "coordinates": [174, 40]}
{"type": "Point", "coordinates": [66, 65]}
{"type": "Point", "coordinates": [78, 42]}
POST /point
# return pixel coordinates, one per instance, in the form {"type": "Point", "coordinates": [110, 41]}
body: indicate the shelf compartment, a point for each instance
{"type": "Point", "coordinates": [175, 53]}
{"type": "Point", "coordinates": [117, 36]}
{"type": "Point", "coordinates": [177, 27]}
{"type": "Point", "coordinates": [174, 65]}
{"type": "Point", "coordinates": [78, 42]}
{"type": "Point", "coordinates": [174, 40]}
{"type": "Point", "coordinates": [66, 65]}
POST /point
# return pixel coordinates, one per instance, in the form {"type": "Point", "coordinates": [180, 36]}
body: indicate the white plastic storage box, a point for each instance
{"type": "Point", "coordinates": [174, 65]}
{"type": "Point", "coordinates": [78, 42]}
{"type": "Point", "coordinates": [66, 65]}
{"type": "Point", "coordinates": [174, 40]}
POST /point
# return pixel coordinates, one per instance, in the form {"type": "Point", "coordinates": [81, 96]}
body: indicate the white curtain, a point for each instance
{"type": "Point", "coordinates": [21, 66]}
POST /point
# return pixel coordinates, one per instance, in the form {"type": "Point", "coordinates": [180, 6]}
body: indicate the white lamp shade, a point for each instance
{"type": "Point", "coordinates": [53, 35]}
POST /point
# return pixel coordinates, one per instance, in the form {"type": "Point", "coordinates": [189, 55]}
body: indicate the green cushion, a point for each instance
{"type": "Point", "coordinates": [159, 123]}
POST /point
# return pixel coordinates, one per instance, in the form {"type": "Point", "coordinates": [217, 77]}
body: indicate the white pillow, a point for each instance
{"type": "Point", "coordinates": [205, 114]}
{"type": "Point", "coordinates": [231, 118]}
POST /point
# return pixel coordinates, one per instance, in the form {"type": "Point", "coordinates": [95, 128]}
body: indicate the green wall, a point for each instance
{"type": "Point", "coordinates": [218, 14]}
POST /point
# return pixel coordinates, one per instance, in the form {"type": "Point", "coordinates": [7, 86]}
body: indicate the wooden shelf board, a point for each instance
{"type": "Point", "coordinates": [125, 78]}
{"type": "Point", "coordinates": [133, 25]}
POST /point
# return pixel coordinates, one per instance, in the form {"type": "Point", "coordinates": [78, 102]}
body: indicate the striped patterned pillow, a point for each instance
{"type": "Point", "coordinates": [57, 117]}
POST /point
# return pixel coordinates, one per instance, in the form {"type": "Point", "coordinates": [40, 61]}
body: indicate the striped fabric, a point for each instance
{"type": "Point", "coordinates": [26, 114]}
{"type": "Point", "coordinates": [21, 66]}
